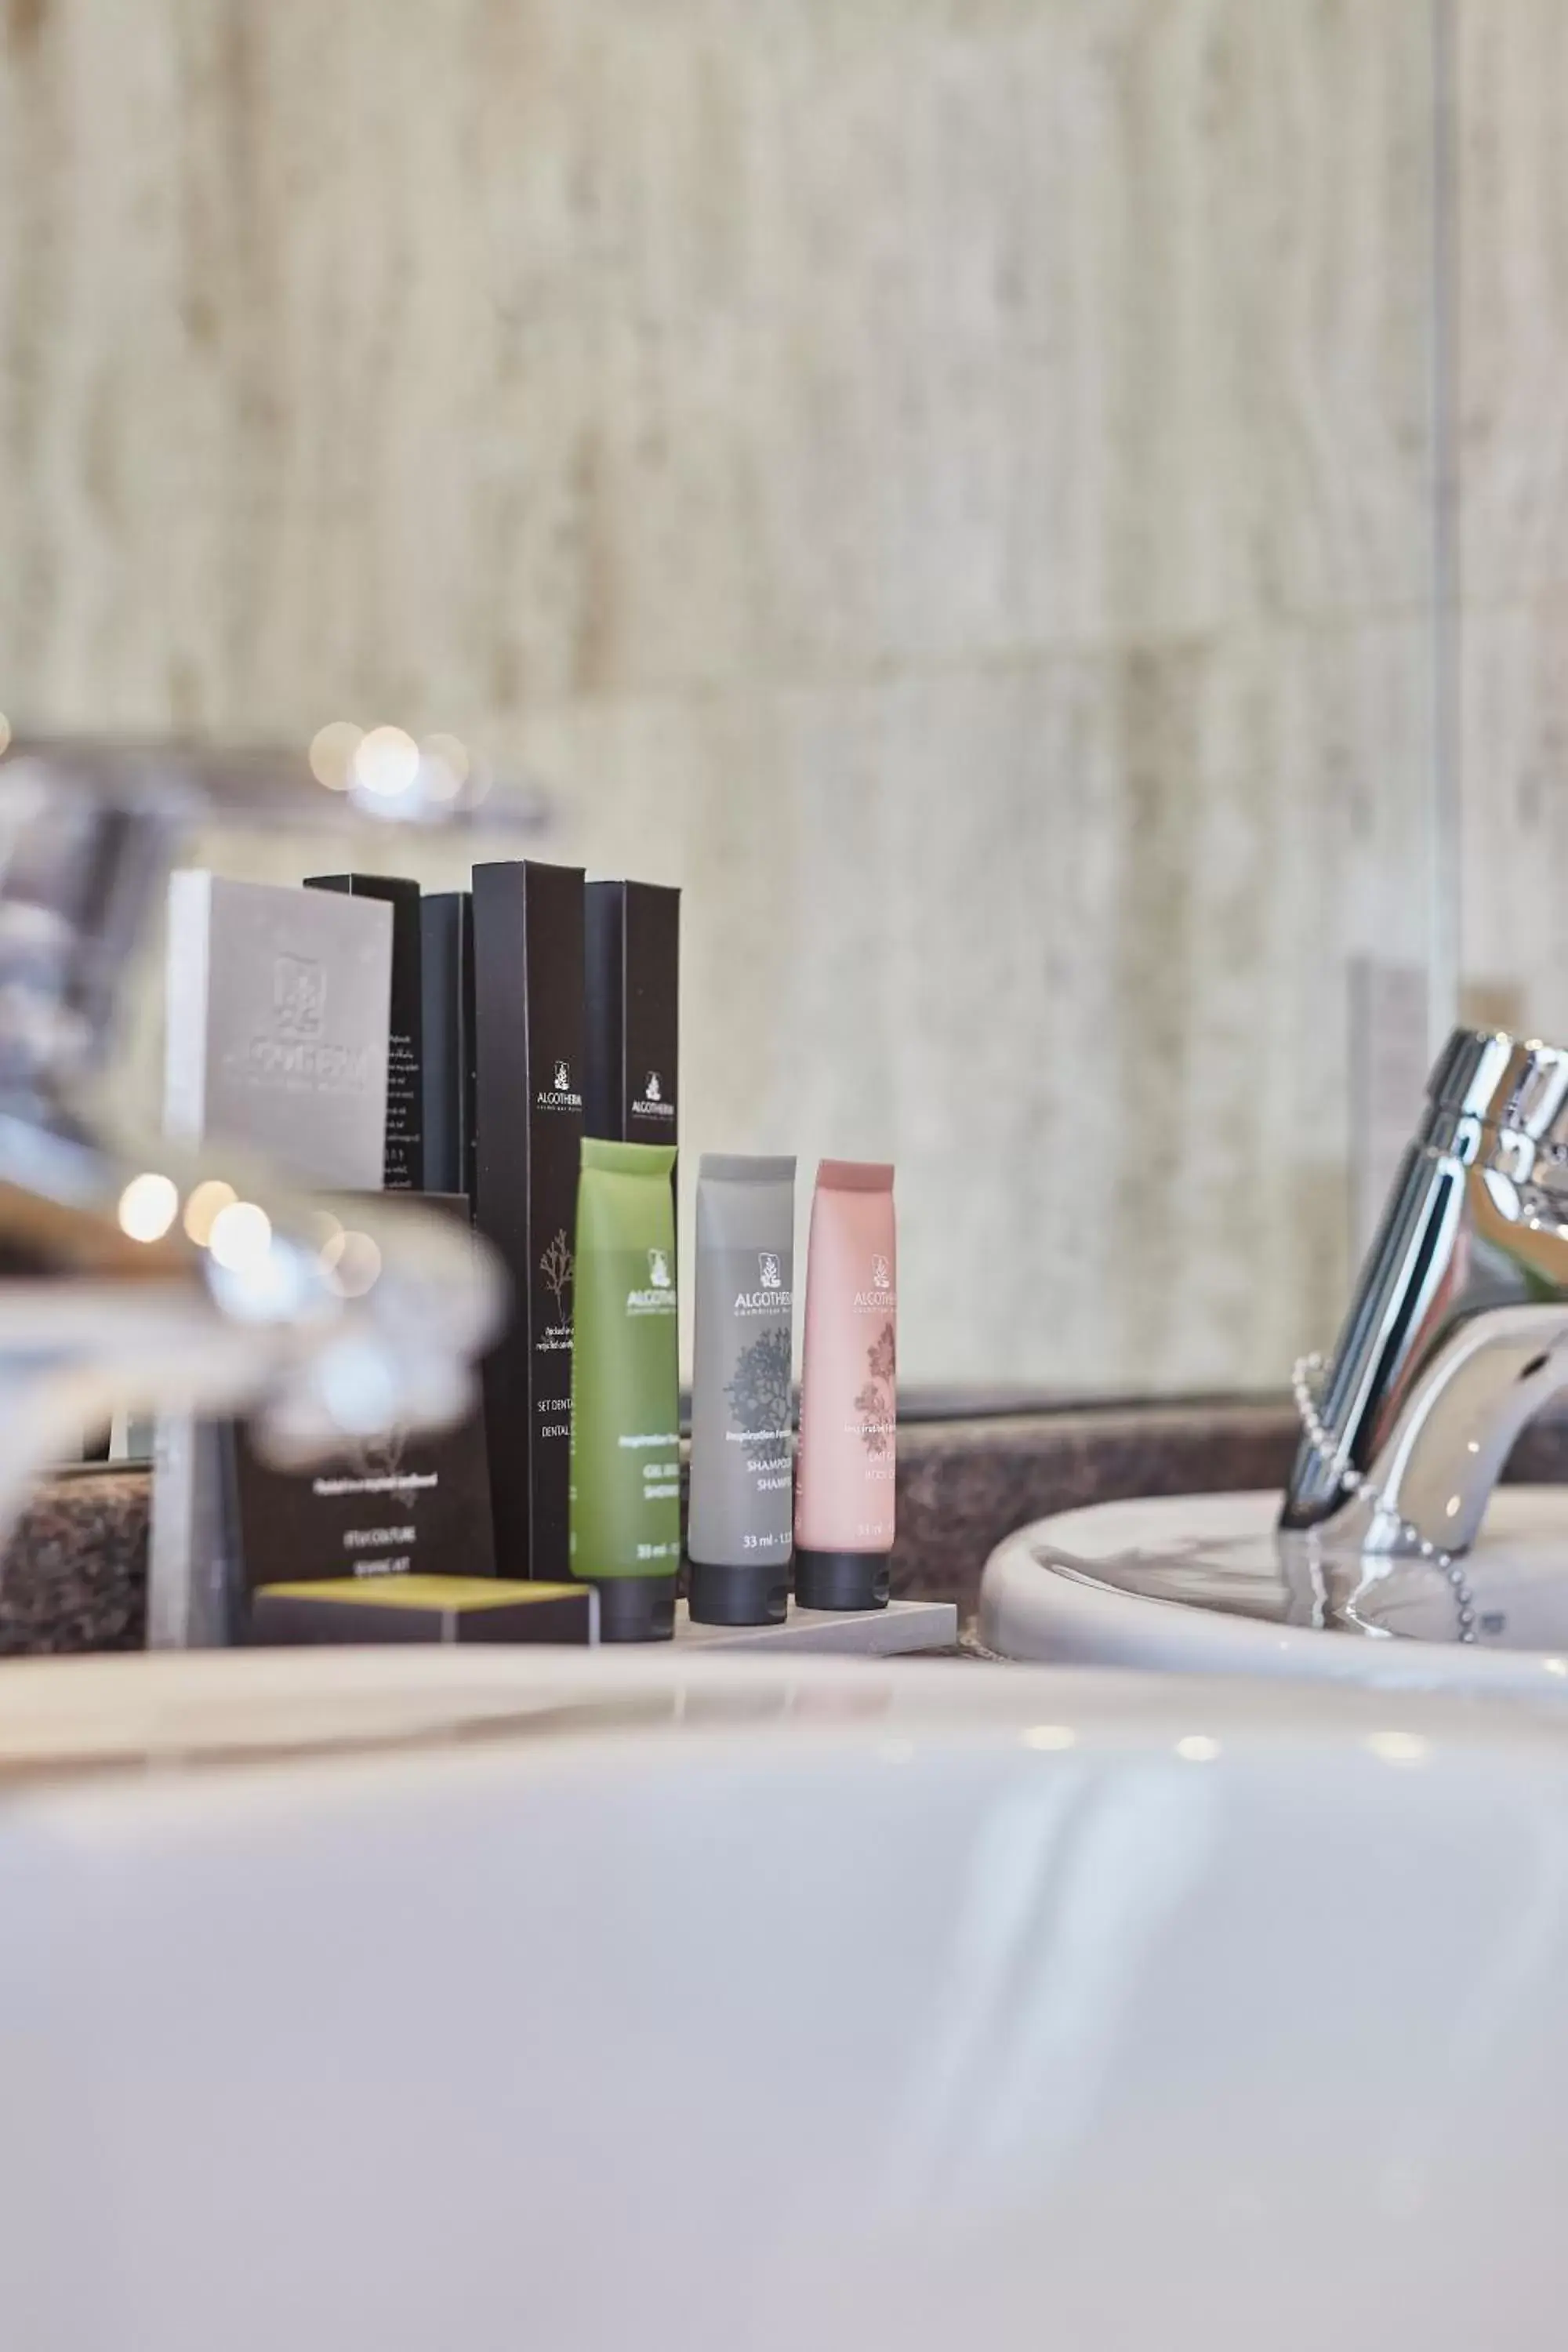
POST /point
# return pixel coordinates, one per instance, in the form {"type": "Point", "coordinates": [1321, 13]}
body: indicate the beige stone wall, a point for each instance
{"type": "Point", "coordinates": [948, 481]}
{"type": "Point", "coordinates": [1511, 453]}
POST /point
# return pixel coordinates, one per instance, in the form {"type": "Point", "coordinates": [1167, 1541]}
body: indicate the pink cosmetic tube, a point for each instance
{"type": "Point", "coordinates": [847, 1457]}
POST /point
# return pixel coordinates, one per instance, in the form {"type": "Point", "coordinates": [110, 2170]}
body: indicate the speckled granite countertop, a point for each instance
{"type": "Point", "coordinates": [965, 1484]}
{"type": "Point", "coordinates": [74, 1577]}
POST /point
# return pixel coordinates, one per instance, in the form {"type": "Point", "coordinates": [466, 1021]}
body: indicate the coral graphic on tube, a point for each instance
{"type": "Point", "coordinates": [758, 1393]}
{"type": "Point", "coordinates": [873, 1402]}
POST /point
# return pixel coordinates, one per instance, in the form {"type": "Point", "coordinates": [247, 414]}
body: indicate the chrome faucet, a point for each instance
{"type": "Point", "coordinates": [1458, 1329]}
{"type": "Point", "coordinates": [169, 1282]}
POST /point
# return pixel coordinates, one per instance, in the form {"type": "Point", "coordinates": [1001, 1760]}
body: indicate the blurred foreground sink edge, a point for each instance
{"type": "Point", "coordinates": [759, 2002]}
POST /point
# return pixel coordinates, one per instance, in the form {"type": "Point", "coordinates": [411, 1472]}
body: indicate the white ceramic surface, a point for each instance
{"type": "Point", "coordinates": [743, 2004]}
{"type": "Point", "coordinates": [1194, 1584]}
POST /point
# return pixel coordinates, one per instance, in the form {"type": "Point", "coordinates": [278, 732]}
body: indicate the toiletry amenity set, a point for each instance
{"type": "Point", "coordinates": [515, 1047]}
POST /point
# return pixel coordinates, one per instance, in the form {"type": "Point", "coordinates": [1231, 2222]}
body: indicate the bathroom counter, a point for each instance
{"type": "Point", "coordinates": [74, 1577]}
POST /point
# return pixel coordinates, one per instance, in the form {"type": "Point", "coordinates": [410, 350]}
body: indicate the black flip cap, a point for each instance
{"type": "Point", "coordinates": [635, 1607]}
{"type": "Point", "coordinates": [751, 1594]}
{"type": "Point", "coordinates": [841, 1580]}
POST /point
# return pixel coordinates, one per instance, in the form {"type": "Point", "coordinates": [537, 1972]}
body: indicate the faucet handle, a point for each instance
{"type": "Point", "coordinates": [1502, 1102]}
{"type": "Point", "coordinates": [1533, 1097]}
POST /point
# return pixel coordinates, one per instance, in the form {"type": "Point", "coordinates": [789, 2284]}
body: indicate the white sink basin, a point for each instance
{"type": "Point", "coordinates": [651, 2001]}
{"type": "Point", "coordinates": [1199, 1584]}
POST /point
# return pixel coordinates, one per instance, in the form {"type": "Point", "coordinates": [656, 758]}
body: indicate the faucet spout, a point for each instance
{"type": "Point", "coordinates": [1458, 1331]}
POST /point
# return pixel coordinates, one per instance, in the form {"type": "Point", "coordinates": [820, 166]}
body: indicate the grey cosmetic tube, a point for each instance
{"type": "Point", "coordinates": [741, 1528]}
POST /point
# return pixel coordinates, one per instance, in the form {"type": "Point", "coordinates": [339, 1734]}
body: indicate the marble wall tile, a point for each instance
{"type": "Point", "coordinates": [1511, 70]}
{"type": "Point", "coordinates": [1514, 814]}
{"type": "Point", "coordinates": [948, 481]}
{"type": "Point", "coordinates": [1511, 349]}
{"type": "Point", "coordinates": [1069, 940]}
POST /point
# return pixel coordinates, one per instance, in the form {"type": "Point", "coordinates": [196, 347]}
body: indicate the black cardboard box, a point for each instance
{"type": "Point", "coordinates": [407, 1502]}
{"type": "Point", "coordinates": [528, 1004]}
{"type": "Point", "coordinates": [632, 994]}
{"type": "Point", "coordinates": [451, 1077]}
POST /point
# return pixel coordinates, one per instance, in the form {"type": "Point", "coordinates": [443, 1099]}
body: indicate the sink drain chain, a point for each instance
{"type": "Point", "coordinates": [1310, 1369]}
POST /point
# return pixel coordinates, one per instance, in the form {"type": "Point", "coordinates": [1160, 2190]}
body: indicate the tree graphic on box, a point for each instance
{"type": "Point", "coordinates": [555, 1266]}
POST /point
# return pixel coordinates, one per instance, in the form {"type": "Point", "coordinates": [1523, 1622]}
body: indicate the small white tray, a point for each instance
{"type": "Point", "coordinates": [902, 1626]}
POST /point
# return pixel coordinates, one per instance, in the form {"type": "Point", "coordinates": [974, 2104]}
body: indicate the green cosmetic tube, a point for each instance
{"type": "Point", "coordinates": [626, 1390]}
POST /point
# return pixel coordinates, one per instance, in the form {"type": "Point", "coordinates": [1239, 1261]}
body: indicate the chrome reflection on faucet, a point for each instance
{"type": "Point", "coordinates": [1458, 1330]}
{"type": "Point", "coordinates": [164, 1281]}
